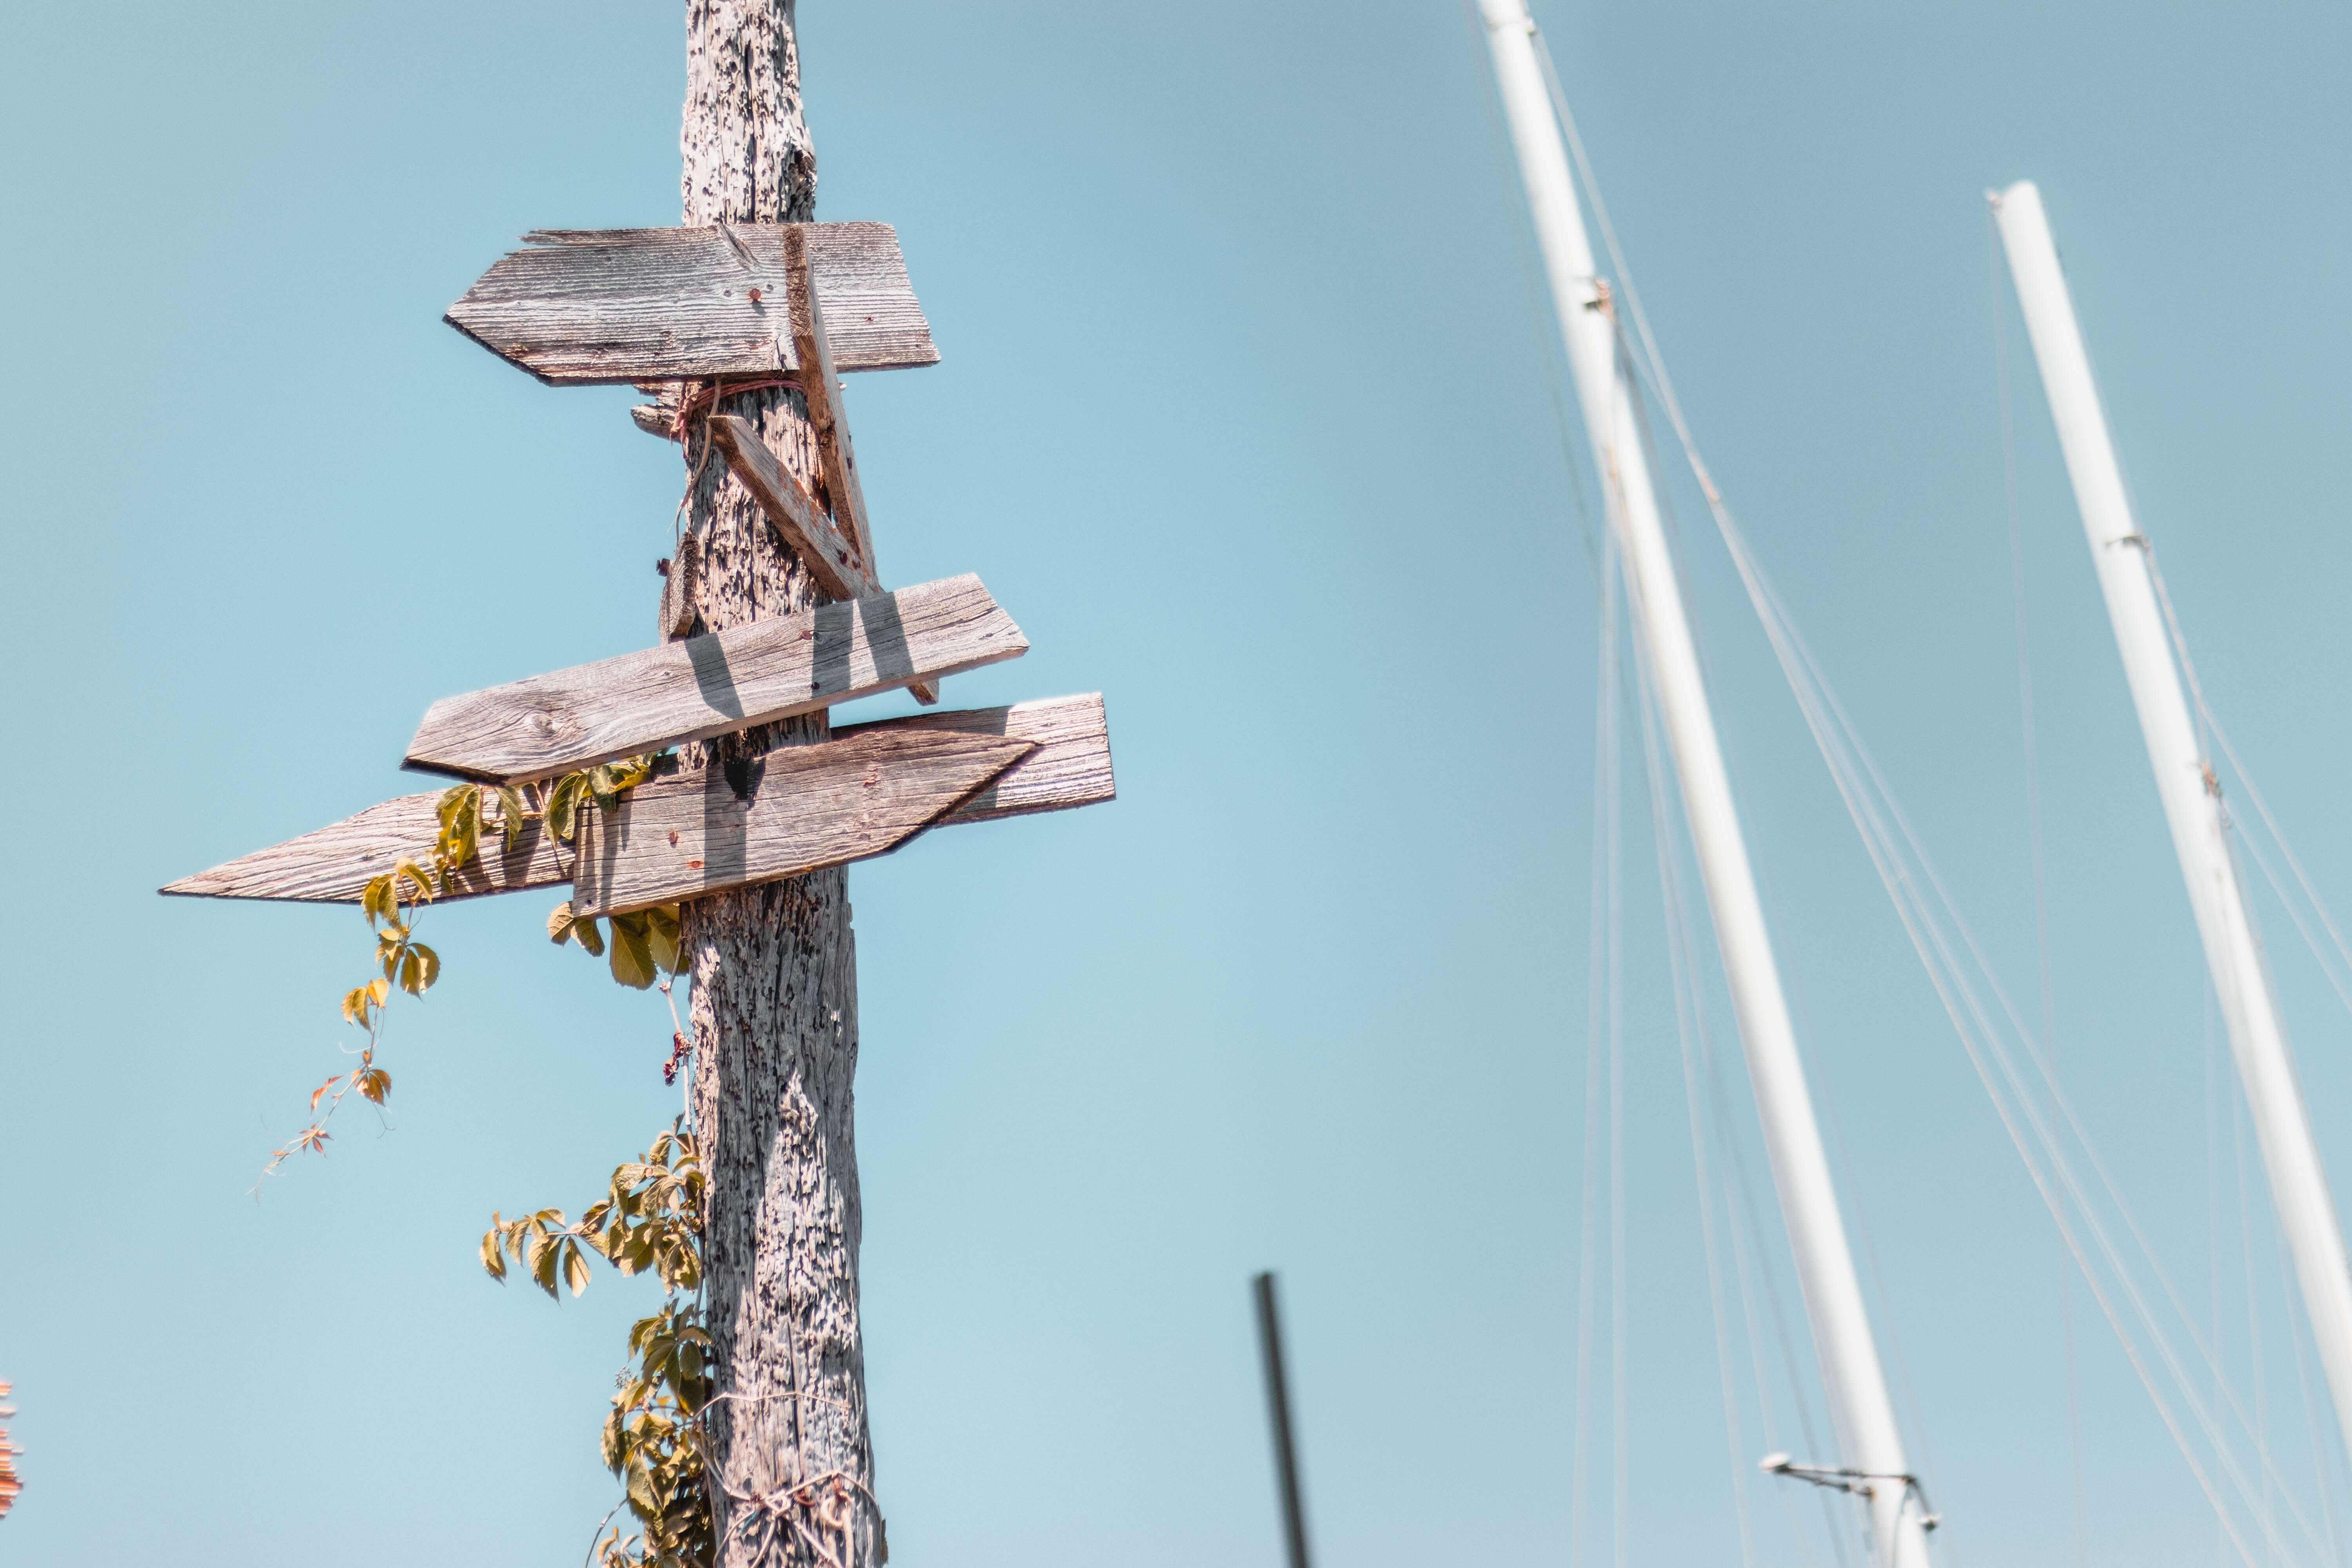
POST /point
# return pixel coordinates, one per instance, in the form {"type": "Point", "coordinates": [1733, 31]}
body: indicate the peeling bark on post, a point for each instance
{"type": "Point", "coordinates": [774, 967]}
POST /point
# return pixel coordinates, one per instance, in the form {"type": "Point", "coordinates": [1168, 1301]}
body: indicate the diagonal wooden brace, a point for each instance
{"type": "Point", "coordinates": [821, 388]}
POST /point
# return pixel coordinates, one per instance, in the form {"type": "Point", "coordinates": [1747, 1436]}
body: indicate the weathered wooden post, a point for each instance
{"type": "Point", "coordinates": [771, 610]}
{"type": "Point", "coordinates": [775, 965]}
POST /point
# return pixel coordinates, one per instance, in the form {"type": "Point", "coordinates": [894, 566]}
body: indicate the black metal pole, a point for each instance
{"type": "Point", "coordinates": [1277, 1404]}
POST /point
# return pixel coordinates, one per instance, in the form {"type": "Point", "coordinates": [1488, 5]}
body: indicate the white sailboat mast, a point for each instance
{"type": "Point", "coordinates": [2191, 793]}
{"type": "Point", "coordinates": [1855, 1383]}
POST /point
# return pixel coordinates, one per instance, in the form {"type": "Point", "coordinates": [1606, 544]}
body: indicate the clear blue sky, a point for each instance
{"type": "Point", "coordinates": [1243, 415]}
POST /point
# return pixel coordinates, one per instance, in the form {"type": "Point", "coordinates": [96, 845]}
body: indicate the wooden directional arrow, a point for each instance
{"type": "Point", "coordinates": [802, 807]}
{"type": "Point", "coordinates": [1066, 762]}
{"type": "Point", "coordinates": [334, 863]}
{"type": "Point", "coordinates": [581, 306]}
{"type": "Point", "coordinates": [1070, 767]}
{"type": "Point", "coordinates": [714, 684]}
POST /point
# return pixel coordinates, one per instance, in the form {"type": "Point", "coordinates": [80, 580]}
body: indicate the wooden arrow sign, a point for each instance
{"type": "Point", "coordinates": [1071, 767]}
{"type": "Point", "coordinates": [801, 808]}
{"type": "Point", "coordinates": [334, 863]}
{"type": "Point", "coordinates": [714, 684]}
{"type": "Point", "coordinates": [1066, 762]}
{"type": "Point", "coordinates": [578, 306]}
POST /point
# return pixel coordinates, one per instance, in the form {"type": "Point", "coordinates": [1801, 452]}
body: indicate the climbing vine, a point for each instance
{"type": "Point", "coordinates": [643, 944]}
{"type": "Point", "coordinates": [649, 1221]}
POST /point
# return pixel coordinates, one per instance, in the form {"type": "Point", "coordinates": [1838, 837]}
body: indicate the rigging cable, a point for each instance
{"type": "Point", "coordinates": [1620, 1478]}
{"type": "Point", "coordinates": [1935, 951]}
{"type": "Point", "coordinates": [2034, 827]}
{"type": "Point", "coordinates": [1601, 962]}
{"type": "Point", "coordinates": [1681, 956]}
{"type": "Point", "coordinates": [2211, 724]}
{"type": "Point", "coordinates": [1867, 794]}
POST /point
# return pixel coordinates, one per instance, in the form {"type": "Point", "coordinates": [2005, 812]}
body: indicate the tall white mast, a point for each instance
{"type": "Point", "coordinates": [1855, 1383]}
{"type": "Point", "coordinates": [2185, 783]}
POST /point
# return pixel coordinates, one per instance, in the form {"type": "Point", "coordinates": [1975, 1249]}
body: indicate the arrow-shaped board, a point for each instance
{"type": "Point", "coordinates": [802, 807]}
{"type": "Point", "coordinates": [1064, 762]}
{"type": "Point", "coordinates": [714, 684]}
{"type": "Point", "coordinates": [660, 304]}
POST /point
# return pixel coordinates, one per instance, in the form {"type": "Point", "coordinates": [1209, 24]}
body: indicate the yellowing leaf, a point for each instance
{"type": "Point", "coordinates": [413, 874]}
{"type": "Point", "coordinates": [662, 937]}
{"type": "Point", "coordinates": [511, 815]}
{"type": "Point", "coordinates": [575, 1269]}
{"type": "Point", "coordinates": [564, 805]}
{"type": "Point", "coordinates": [632, 957]}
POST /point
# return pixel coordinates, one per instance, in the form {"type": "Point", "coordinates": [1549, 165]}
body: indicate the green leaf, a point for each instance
{"type": "Point", "coordinates": [461, 811]}
{"type": "Point", "coordinates": [589, 936]}
{"type": "Point", "coordinates": [564, 805]}
{"type": "Point", "coordinates": [662, 932]}
{"type": "Point", "coordinates": [511, 815]}
{"type": "Point", "coordinates": [633, 955]}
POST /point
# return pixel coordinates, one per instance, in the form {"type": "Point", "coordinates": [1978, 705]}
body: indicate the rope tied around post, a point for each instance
{"type": "Point", "coordinates": [826, 1500]}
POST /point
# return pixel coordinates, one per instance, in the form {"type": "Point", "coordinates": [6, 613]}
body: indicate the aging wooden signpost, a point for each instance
{"type": "Point", "coordinates": [740, 324]}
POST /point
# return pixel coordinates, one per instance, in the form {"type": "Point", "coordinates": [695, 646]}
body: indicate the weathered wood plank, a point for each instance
{"type": "Point", "coordinates": [712, 685]}
{"type": "Point", "coordinates": [334, 863]}
{"type": "Point", "coordinates": [820, 391]}
{"type": "Point", "coordinates": [580, 306]}
{"type": "Point", "coordinates": [821, 388]}
{"type": "Point", "coordinates": [1068, 766]}
{"type": "Point", "coordinates": [832, 560]}
{"type": "Point", "coordinates": [1071, 767]}
{"type": "Point", "coordinates": [805, 807]}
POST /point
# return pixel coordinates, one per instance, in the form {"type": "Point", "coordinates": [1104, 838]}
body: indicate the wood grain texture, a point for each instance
{"type": "Point", "coordinates": [773, 1000]}
{"type": "Point", "coordinates": [1070, 768]}
{"type": "Point", "coordinates": [835, 564]}
{"type": "Point", "coordinates": [1066, 763]}
{"type": "Point", "coordinates": [715, 684]}
{"type": "Point", "coordinates": [821, 387]}
{"type": "Point", "coordinates": [584, 306]}
{"type": "Point", "coordinates": [679, 578]}
{"type": "Point", "coordinates": [806, 807]}
{"type": "Point", "coordinates": [334, 863]}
